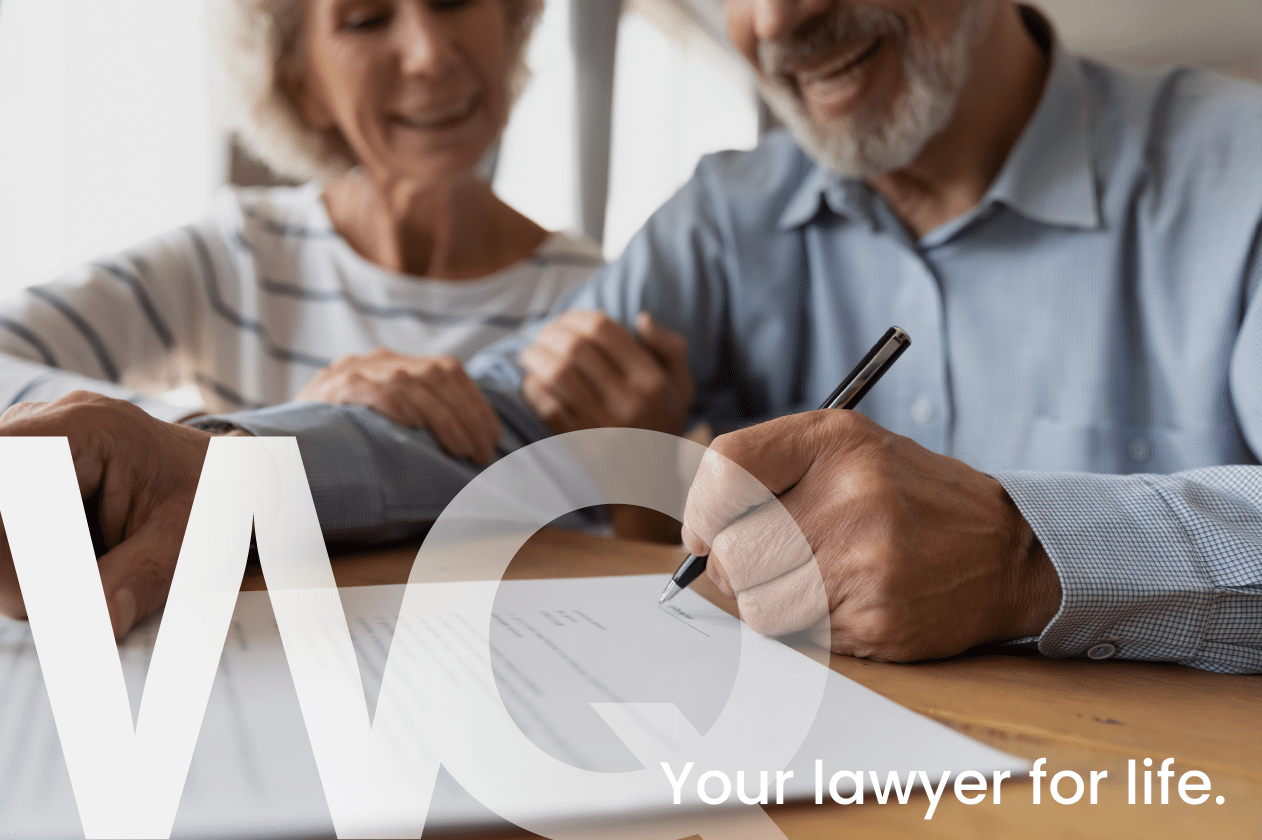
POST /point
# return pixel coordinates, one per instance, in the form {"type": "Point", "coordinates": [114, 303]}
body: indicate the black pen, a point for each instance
{"type": "Point", "coordinates": [879, 359]}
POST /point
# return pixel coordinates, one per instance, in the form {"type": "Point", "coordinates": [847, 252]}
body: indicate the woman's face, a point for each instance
{"type": "Point", "coordinates": [418, 89]}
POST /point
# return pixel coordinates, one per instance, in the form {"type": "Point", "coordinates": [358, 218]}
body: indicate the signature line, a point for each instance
{"type": "Point", "coordinates": [671, 613]}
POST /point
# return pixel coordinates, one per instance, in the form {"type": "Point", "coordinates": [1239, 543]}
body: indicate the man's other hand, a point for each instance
{"type": "Point", "coordinates": [921, 555]}
{"type": "Point", "coordinates": [586, 371]}
{"type": "Point", "coordinates": [142, 475]}
{"type": "Point", "coordinates": [420, 392]}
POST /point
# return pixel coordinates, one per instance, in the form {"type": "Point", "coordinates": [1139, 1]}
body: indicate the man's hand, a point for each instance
{"type": "Point", "coordinates": [921, 555]}
{"type": "Point", "coordinates": [420, 392]}
{"type": "Point", "coordinates": [142, 474]}
{"type": "Point", "coordinates": [585, 371]}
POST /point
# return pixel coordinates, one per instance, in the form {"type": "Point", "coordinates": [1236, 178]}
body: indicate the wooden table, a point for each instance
{"type": "Point", "coordinates": [1078, 714]}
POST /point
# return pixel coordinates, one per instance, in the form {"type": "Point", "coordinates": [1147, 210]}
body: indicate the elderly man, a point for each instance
{"type": "Point", "coordinates": [1068, 454]}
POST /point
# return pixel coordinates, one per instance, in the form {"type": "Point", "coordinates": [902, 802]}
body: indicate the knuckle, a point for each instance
{"type": "Point", "coordinates": [604, 329]}
{"type": "Point", "coordinates": [12, 605]}
{"type": "Point", "coordinates": [726, 547]}
{"type": "Point", "coordinates": [81, 410]}
{"type": "Point", "coordinates": [577, 354]}
{"type": "Point", "coordinates": [17, 411]}
{"type": "Point", "coordinates": [768, 615]}
{"type": "Point", "coordinates": [587, 319]}
{"type": "Point", "coordinates": [377, 393]}
{"type": "Point", "coordinates": [718, 575]}
{"type": "Point", "coordinates": [655, 382]}
{"type": "Point", "coordinates": [533, 392]}
{"type": "Point", "coordinates": [722, 468]}
{"type": "Point", "coordinates": [554, 333]}
{"type": "Point", "coordinates": [622, 418]}
{"type": "Point", "coordinates": [868, 565]}
{"type": "Point", "coordinates": [91, 414]}
{"type": "Point", "coordinates": [150, 581]}
{"type": "Point", "coordinates": [724, 449]}
{"type": "Point", "coordinates": [348, 364]}
{"type": "Point", "coordinates": [560, 422]}
{"type": "Point", "coordinates": [452, 442]}
{"type": "Point", "coordinates": [573, 343]}
{"type": "Point", "coordinates": [827, 635]}
{"type": "Point", "coordinates": [319, 391]}
{"type": "Point", "coordinates": [872, 631]}
{"type": "Point", "coordinates": [343, 361]}
{"type": "Point", "coordinates": [850, 426]}
{"type": "Point", "coordinates": [544, 378]}
{"type": "Point", "coordinates": [81, 397]}
{"type": "Point", "coordinates": [398, 410]}
{"type": "Point", "coordinates": [586, 355]}
{"type": "Point", "coordinates": [754, 612]}
{"type": "Point", "coordinates": [565, 380]}
{"type": "Point", "coordinates": [531, 356]}
{"type": "Point", "coordinates": [840, 422]}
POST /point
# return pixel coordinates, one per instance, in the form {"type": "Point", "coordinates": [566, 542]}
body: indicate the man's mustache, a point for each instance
{"type": "Point", "coordinates": [826, 34]}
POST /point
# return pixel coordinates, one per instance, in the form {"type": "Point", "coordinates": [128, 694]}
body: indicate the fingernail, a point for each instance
{"type": "Point", "coordinates": [124, 612]}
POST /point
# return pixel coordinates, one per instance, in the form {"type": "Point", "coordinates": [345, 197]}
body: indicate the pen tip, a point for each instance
{"type": "Point", "coordinates": [662, 598]}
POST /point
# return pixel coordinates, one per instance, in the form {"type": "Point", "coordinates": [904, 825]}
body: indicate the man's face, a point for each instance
{"type": "Point", "coordinates": [862, 85]}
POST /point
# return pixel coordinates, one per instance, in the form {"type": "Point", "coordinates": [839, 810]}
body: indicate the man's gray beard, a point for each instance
{"type": "Point", "coordinates": [875, 140]}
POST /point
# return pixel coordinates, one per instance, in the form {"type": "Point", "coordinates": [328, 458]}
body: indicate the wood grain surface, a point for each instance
{"type": "Point", "coordinates": [1078, 714]}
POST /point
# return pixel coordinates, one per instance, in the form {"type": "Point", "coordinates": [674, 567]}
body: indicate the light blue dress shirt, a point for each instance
{"type": "Point", "coordinates": [1090, 334]}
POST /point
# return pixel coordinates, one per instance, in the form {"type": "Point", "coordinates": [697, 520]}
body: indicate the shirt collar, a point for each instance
{"type": "Point", "coordinates": [845, 197]}
{"type": "Point", "coordinates": [1049, 175]}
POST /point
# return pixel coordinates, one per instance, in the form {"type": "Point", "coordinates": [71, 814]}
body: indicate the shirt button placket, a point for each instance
{"type": "Point", "coordinates": [920, 305]}
{"type": "Point", "coordinates": [922, 410]}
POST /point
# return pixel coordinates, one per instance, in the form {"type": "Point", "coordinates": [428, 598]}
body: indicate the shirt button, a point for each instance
{"type": "Point", "coordinates": [1103, 650]}
{"type": "Point", "coordinates": [1138, 450]}
{"type": "Point", "coordinates": [922, 410]}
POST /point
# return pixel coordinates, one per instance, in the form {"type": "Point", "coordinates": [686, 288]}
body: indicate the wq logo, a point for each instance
{"type": "Point", "coordinates": [377, 776]}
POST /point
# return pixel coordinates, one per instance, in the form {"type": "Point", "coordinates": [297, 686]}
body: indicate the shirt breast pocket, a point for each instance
{"type": "Point", "coordinates": [1055, 445]}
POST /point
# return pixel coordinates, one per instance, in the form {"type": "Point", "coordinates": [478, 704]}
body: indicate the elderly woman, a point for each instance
{"type": "Point", "coordinates": [395, 245]}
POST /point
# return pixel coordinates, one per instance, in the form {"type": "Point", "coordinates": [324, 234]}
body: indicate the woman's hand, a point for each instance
{"type": "Point", "coordinates": [419, 392]}
{"type": "Point", "coordinates": [586, 371]}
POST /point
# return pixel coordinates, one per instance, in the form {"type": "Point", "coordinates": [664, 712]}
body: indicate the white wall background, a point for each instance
{"type": "Point", "coordinates": [535, 173]}
{"type": "Point", "coordinates": [677, 95]}
{"type": "Point", "coordinates": [107, 130]}
{"type": "Point", "coordinates": [1222, 34]}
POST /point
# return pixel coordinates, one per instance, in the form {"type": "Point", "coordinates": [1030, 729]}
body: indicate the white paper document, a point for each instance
{"type": "Point", "coordinates": [573, 661]}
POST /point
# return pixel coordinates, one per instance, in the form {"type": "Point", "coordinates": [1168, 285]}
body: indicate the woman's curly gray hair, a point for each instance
{"type": "Point", "coordinates": [260, 39]}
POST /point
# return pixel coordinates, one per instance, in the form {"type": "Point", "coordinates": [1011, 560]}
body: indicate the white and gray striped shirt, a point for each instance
{"type": "Point", "coordinates": [250, 303]}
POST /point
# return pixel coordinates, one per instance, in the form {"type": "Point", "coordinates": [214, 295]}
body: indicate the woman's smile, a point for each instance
{"type": "Point", "coordinates": [438, 116]}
